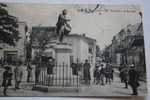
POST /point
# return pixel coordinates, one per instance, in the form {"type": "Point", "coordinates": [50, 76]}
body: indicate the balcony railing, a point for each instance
{"type": "Point", "coordinates": [127, 42]}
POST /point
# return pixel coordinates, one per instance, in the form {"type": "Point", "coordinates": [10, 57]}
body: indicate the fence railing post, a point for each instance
{"type": "Point", "coordinates": [63, 74]}
{"type": "Point", "coordinates": [56, 74]}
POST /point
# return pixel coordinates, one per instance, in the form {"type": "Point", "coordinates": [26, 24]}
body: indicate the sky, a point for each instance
{"type": "Point", "coordinates": [101, 27]}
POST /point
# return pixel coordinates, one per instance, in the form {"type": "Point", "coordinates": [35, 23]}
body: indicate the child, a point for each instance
{"type": "Point", "coordinates": [7, 77]}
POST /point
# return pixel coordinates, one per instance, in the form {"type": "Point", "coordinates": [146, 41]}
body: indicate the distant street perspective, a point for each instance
{"type": "Point", "coordinates": [72, 50]}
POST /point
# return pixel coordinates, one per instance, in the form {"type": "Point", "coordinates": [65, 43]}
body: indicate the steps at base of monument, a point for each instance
{"type": "Point", "coordinates": [55, 88]}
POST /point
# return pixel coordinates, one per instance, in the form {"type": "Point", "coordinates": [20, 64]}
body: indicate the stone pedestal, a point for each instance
{"type": "Point", "coordinates": [62, 71]}
{"type": "Point", "coordinates": [63, 52]}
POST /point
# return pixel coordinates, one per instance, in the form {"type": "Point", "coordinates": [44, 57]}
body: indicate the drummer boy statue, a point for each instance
{"type": "Point", "coordinates": [63, 27]}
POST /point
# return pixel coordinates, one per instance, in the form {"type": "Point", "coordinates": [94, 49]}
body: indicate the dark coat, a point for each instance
{"type": "Point", "coordinates": [50, 67]}
{"type": "Point", "coordinates": [86, 71]}
{"type": "Point", "coordinates": [102, 71]}
{"type": "Point", "coordinates": [96, 72]}
{"type": "Point", "coordinates": [7, 77]}
{"type": "Point", "coordinates": [49, 70]}
{"type": "Point", "coordinates": [124, 75]}
{"type": "Point", "coordinates": [74, 69]}
{"type": "Point", "coordinates": [108, 72]}
{"type": "Point", "coordinates": [61, 21]}
{"type": "Point", "coordinates": [133, 78]}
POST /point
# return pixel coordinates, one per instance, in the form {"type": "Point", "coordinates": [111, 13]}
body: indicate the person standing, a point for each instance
{"type": "Point", "coordinates": [125, 77]}
{"type": "Point", "coordinates": [7, 77]}
{"type": "Point", "coordinates": [86, 71]}
{"type": "Point", "coordinates": [121, 72]}
{"type": "Point", "coordinates": [37, 72]}
{"type": "Point", "coordinates": [29, 70]}
{"type": "Point", "coordinates": [96, 74]}
{"type": "Point", "coordinates": [108, 73]}
{"type": "Point", "coordinates": [134, 79]}
{"type": "Point", "coordinates": [102, 74]}
{"type": "Point", "coordinates": [50, 66]}
{"type": "Point", "coordinates": [74, 68]}
{"type": "Point", "coordinates": [18, 73]}
{"type": "Point", "coordinates": [112, 73]}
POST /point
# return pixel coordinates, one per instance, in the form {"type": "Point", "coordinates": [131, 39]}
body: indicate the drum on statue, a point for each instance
{"type": "Point", "coordinates": [67, 29]}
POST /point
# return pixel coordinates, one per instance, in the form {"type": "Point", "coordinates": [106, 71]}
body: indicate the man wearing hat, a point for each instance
{"type": "Point", "coordinates": [133, 79]}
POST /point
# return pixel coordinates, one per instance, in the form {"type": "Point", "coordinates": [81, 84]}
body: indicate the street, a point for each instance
{"type": "Point", "coordinates": [114, 89]}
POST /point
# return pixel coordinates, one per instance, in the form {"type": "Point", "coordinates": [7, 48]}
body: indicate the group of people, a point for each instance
{"type": "Point", "coordinates": [103, 75]}
{"type": "Point", "coordinates": [13, 73]}
{"type": "Point", "coordinates": [130, 76]}
{"type": "Point", "coordinates": [84, 68]}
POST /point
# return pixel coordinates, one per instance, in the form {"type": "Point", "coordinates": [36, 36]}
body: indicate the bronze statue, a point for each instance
{"type": "Point", "coordinates": [63, 27]}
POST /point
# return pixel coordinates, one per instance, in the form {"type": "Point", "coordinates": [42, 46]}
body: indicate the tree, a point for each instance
{"type": "Point", "coordinates": [8, 27]}
{"type": "Point", "coordinates": [41, 36]}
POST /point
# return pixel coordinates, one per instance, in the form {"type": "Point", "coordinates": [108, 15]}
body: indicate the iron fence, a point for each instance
{"type": "Point", "coordinates": [58, 75]}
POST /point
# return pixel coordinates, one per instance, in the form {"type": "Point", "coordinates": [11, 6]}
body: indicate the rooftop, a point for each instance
{"type": "Point", "coordinates": [133, 28]}
{"type": "Point", "coordinates": [83, 36]}
{"type": "Point", "coordinates": [52, 31]}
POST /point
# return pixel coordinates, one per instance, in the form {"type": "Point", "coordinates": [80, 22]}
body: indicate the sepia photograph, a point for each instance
{"type": "Point", "coordinates": [72, 50]}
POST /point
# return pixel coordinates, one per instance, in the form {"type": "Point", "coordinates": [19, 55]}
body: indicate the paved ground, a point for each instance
{"type": "Point", "coordinates": [115, 89]}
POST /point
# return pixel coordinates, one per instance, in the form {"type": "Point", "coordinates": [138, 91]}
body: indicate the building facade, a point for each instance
{"type": "Point", "coordinates": [11, 53]}
{"type": "Point", "coordinates": [128, 47]}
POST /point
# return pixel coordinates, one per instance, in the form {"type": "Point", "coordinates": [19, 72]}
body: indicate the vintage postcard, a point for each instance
{"type": "Point", "coordinates": [72, 50]}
